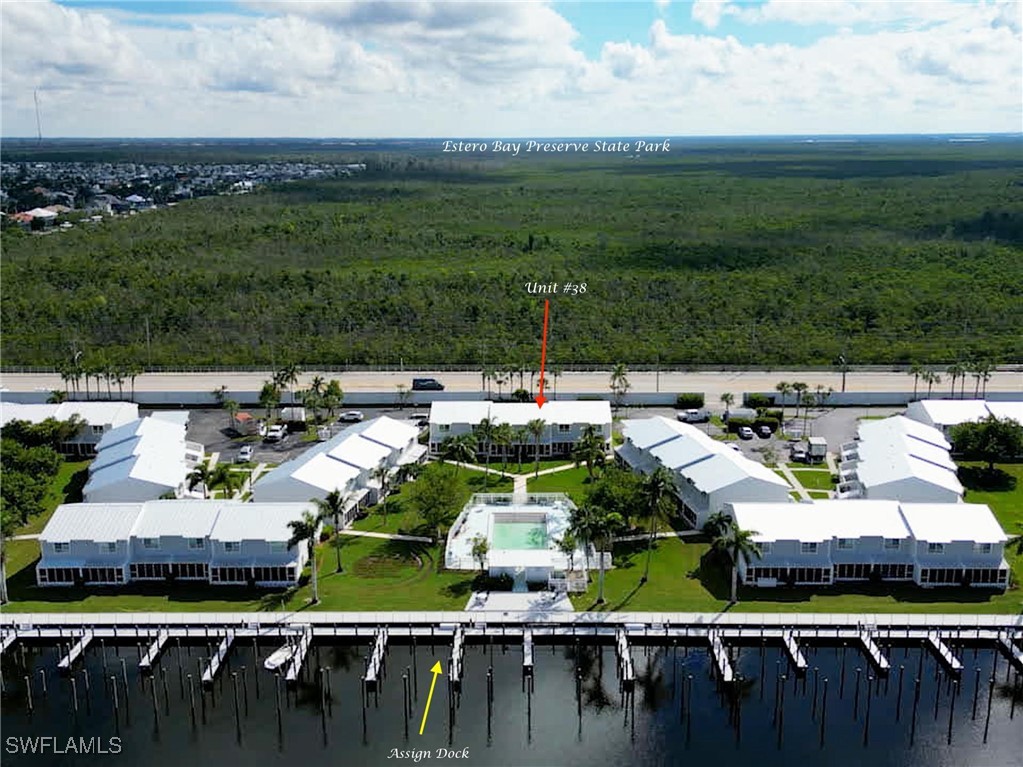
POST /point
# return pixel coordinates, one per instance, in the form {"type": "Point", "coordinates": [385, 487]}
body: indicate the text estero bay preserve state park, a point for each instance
{"type": "Point", "coordinates": [514, 148]}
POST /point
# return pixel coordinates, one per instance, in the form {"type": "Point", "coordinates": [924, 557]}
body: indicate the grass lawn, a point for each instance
{"type": "Point", "coordinates": [795, 494]}
{"type": "Point", "coordinates": [65, 487]}
{"type": "Point", "coordinates": [815, 479]}
{"type": "Point", "coordinates": [571, 481]}
{"type": "Point", "coordinates": [818, 494]}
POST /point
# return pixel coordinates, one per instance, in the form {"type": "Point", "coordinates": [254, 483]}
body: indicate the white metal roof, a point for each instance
{"type": "Point", "coordinates": [899, 424]}
{"type": "Point", "coordinates": [361, 452]}
{"type": "Point", "coordinates": [821, 520]}
{"type": "Point", "coordinates": [174, 416]}
{"type": "Point", "coordinates": [948, 522]}
{"type": "Point", "coordinates": [146, 450]}
{"type": "Point", "coordinates": [257, 521]}
{"type": "Point", "coordinates": [1013, 410]}
{"type": "Point", "coordinates": [91, 522]}
{"type": "Point", "coordinates": [596, 412]}
{"type": "Point", "coordinates": [322, 471]}
{"type": "Point", "coordinates": [949, 412]}
{"type": "Point", "coordinates": [95, 413]}
{"type": "Point", "coordinates": [645, 433]}
{"type": "Point", "coordinates": [393, 433]}
{"type": "Point", "coordinates": [185, 518]}
{"type": "Point", "coordinates": [896, 467]}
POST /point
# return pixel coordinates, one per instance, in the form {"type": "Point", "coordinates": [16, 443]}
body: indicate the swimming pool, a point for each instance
{"type": "Point", "coordinates": [519, 535]}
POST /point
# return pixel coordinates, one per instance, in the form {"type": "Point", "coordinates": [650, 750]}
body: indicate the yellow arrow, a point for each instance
{"type": "Point", "coordinates": [437, 671]}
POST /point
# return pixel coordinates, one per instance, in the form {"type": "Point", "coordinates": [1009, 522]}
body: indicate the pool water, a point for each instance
{"type": "Point", "coordinates": [519, 535]}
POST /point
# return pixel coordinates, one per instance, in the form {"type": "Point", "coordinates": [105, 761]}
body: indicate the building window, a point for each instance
{"type": "Point", "coordinates": [564, 428]}
{"type": "Point", "coordinates": [196, 543]}
{"type": "Point", "coordinates": [107, 547]}
{"type": "Point", "coordinates": [232, 546]}
{"type": "Point", "coordinates": [982, 548]}
{"type": "Point", "coordinates": [443, 427]}
{"type": "Point", "coordinates": [278, 547]}
{"type": "Point", "coordinates": [766, 547]}
{"type": "Point", "coordinates": [935, 548]}
{"type": "Point", "coordinates": [845, 544]}
{"type": "Point", "coordinates": [97, 429]}
{"type": "Point", "coordinates": [892, 543]}
{"type": "Point", "coordinates": [150, 543]}
{"type": "Point", "coordinates": [808, 548]}
{"type": "Point", "coordinates": [61, 548]}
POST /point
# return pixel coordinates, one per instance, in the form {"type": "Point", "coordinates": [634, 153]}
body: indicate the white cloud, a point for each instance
{"type": "Point", "coordinates": [444, 69]}
{"type": "Point", "coordinates": [709, 12]}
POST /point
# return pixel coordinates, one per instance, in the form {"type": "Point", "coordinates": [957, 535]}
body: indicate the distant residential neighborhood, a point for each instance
{"type": "Point", "coordinates": [41, 196]}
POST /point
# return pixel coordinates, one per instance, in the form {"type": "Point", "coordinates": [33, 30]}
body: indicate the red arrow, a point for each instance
{"type": "Point", "coordinates": [540, 399]}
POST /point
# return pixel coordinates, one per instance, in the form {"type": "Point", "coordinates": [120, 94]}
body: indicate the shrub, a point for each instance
{"type": "Point", "coordinates": [486, 582]}
{"type": "Point", "coordinates": [520, 395]}
{"type": "Point", "coordinates": [755, 400]}
{"type": "Point", "coordinates": [689, 400]}
{"type": "Point", "coordinates": [771, 413]}
{"type": "Point", "coordinates": [735, 423]}
{"type": "Point", "coordinates": [773, 423]}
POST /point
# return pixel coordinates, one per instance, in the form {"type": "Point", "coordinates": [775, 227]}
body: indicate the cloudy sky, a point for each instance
{"type": "Point", "coordinates": [420, 68]}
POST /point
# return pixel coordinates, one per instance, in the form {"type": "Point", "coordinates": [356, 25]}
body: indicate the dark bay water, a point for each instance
{"type": "Point", "coordinates": [778, 721]}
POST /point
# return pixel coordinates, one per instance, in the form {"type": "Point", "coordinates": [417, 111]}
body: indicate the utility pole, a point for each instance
{"type": "Point", "coordinates": [845, 368]}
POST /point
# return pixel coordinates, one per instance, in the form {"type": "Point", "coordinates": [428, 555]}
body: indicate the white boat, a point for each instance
{"type": "Point", "coordinates": [279, 657]}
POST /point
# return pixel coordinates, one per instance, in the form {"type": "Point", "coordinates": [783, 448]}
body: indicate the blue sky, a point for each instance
{"type": "Point", "coordinates": [445, 69]}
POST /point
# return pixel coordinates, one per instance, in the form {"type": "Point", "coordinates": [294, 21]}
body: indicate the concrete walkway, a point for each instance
{"type": "Point", "coordinates": [672, 534]}
{"type": "Point", "coordinates": [388, 536]}
{"type": "Point", "coordinates": [791, 479]}
{"type": "Point", "coordinates": [25, 537]}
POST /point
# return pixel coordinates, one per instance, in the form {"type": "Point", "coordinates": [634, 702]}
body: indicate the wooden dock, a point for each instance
{"type": "Point", "coordinates": [376, 659]}
{"type": "Point", "coordinates": [457, 653]}
{"type": "Point", "coordinates": [298, 657]}
{"type": "Point", "coordinates": [944, 653]}
{"type": "Point", "coordinates": [210, 672]}
{"type": "Point", "coordinates": [720, 654]}
{"type": "Point", "coordinates": [795, 654]}
{"type": "Point", "coordinates": [1011, 651]}
{"type": "Point", "coordinates": [146, 664]}
{"type": "Point", "coordinates": [527, 651]}
{"type": "Point", "coordinates": [8, 640]}
{"type": "Point", "coordinates": [75, 652]}
{"type": "Point", "coordinates": [873, 652]}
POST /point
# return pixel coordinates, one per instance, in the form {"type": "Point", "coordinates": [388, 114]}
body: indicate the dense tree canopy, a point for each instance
{"type": "Point", "coordinates": [794, 255]}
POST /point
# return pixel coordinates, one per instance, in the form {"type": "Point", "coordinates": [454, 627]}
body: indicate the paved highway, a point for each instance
{"type": "Point", "coordinates": [712, 384]}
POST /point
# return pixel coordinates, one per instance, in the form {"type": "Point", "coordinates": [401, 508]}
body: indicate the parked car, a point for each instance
{"type": "Point", "coordinates": [799, 455]}
{"type": "Point", "coordinates": [745, 432]}
{"type": "Point", "coordinates": [693, 416]}
{"type": "Point", "coordinates": [276, 433]}
{"type": "Point", "coordinates": [427, 384]}
{"type": "Point", "coordinates": [420, 419]}
{"type": "Point", "coordinates": [244, 455]}
{"type": "Point", "coordinates": [764, 431]}
{"type": "Point", "coordinates": [351, 416]}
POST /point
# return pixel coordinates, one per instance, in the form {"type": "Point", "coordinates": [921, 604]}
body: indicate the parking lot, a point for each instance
{"type": "Point", "coordinates": [211, 428]}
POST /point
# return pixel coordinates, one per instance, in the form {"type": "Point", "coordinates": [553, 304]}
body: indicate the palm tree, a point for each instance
{"type": "Point", "coordinates": [582, 525]}
{"type": "Point", "coordinates": [219, 394]}
{"type": "Point", "coordinates": [317, 385]}
{"type": "Point", "coordinates": [799, 389]}
{"type": "Point", "coordinates": [305, 529]}
{"type": "Point", "coordinates": [504, 436]}
{"type": "Point", "coordinates": [520, 438]}
{"type": "Point", "coordinates": [225, 478]}
{"type": "Point", "coordinates": [737, 544]}
{"type": "Point", "coordinates": [332, 398]}
{"type": "Point", "coordinates": [985, 376]}
{"type": "Point", "coordinates": [232, 408]}
{"type": "Point", "coordinates": [806, 399]}
{"type": "Point", "coordinates": [458, 450]}
{"type": "Point", "coordinates": [567, 545]}
{"type": "Point", "coordinates": [657, 491]}
{"type": "Point", "coordinates": [134, 370]}
{"type": "Point", "coordinates": [288, 376]}
{"type": "Point", "coordinates": [955, 371]}
{"type": "Point", "coordinates": [784, 388]}
{"type": "Point", "coordinates": [480, 548]}
{"type": "Point", "coordinates": [728, 399]}
{"type": "Point", "coordinates": [200, 475]}
{"type": "Point", "coordinates": [590, 449]}
{"type": "Point", "coordinates": [535, 428]}
{"type": "Point", "coordinates": [605, 526]}
{"type": "Point", "coordinates": [382, 474]}
{"type": "Point", "coordinates": [716, 524]}
{"type": "Point", "coordinates": [269, 397]}
{"type": "Point", "coordinates": [489, 376]}
{"type": "Point", "coordinates": [917, 371]}
{"type": "Point", "coordinates": [556, 373]}
{"type": "Point", "coordinates": [333, 506]}
{"type": "Point", "coordinates": [619, 383]}
{"type": "Point", "coordinates": [930, 377]}
{"type": "Point", "coordinates": [484, 432]}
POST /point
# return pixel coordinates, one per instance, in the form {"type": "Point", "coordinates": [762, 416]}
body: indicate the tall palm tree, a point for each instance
{"type": "Point", "coordinates": [917, 371]}
{"type": "Point", "coordinates": [232, 408]}
{"type": "Point", "coordinates": [504, 436]}
{"type": "Point", "coordinates": [716, 523]}
{"type": "Point", "coordinates": [536, 427]}
{"type": "Point", "coordinates": [739, 545]}
{"type": "Point", "coordinates": [590, 449]}
{"type": "Point", "coordinates": [332, 398]}
{"type": "Point", "coordinates": [985, 375]}
{"type": "Point", "coordinates": [484, 432]}
{"type": "Point", "coordinates": [784, 388]}
{"type": "Point", "coordinates": [134, 371]}
{"type": "Point", "coordinates": [458, 450]}
{"type": "Point", "coordinates": [657, 491]}
{"type": "Point", "coordinates": [304, 530]}
{"type": "Point", "coordinates": [604, 526]}
{"type": "Point", "coordinates": [288, 376]}
{"type": "Point", "coordinates": [728, 399]}
{"type": "Point", "coordinates": [200, 475]}
{"type": "Point", "coordinates": [521, 436]}
{"type": "Point", "coordinates": [581, 524]}
{"type": "Point", "coordinates": [333, 506]}
{"type": "Point", "coordinates": [619, 382]}
{"type": "Point", "coordinates": [489, 377]}
{"type": "Point", "coordinates": [954, 371]}
{"type": "Point", "coordinates": [556, 373]}
{"type": "Point", "coordinates": [930, 377]}
{"type": "Point", "coordinates": [799, 389]}
{"type": "Point", "coordinates": [269, 397]}
{"type": "Point", "coordinates": [382, 474]}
